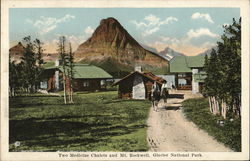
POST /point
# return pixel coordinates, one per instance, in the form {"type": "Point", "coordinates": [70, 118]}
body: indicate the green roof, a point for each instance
{"type": "Point", "coordinates": [89, 71]}
{"type": "Point", "coordinates": [195, 61]}
{"type": "Point", "coordinates": [84, 71]}
{"type": "Point", "coordinates": [179, 65]}
{"type": "Point", "coordinates": [183, 64]}
{"type": "Point", "coordinates": [49, 65]}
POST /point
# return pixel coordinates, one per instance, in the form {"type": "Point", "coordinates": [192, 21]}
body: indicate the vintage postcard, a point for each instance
{"type": "Point", "coordinates": [124, 80]}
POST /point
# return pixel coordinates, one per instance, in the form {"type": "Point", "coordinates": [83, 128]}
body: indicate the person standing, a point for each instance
{"type": "Point", "coordinates": [164, 91]}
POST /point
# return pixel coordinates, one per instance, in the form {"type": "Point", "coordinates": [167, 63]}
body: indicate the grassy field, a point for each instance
{"type": "Point", "coordinates": [96, 122]}
{"type": "Point", "coordinates": [230, 133]}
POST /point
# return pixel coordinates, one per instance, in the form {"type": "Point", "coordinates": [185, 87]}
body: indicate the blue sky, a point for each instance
{"type": "Point", "coordinates": [187, 30]}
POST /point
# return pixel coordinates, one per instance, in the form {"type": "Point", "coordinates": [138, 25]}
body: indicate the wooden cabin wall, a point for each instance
{"type": "Point", "coordinates": [94, 84]}
{"type": "Point", "coordinates": [125, 88]}
{"type": "Point", "coordinates": [148, 85]}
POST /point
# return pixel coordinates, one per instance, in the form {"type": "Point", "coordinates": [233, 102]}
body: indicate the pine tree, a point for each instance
{"type": "Point", "coordinates": [13, 78]}
{"type": "Point", "coordinates": [229, 54]}
{"type": "Point", "coordinates": [29, 65]}
{"type": "Point", "coordinates": [63, 57]}
{"type": "Point", "coordinates": [39, 61]}
{"type": "Point", "coordinates": [71, 74]}
{"type": "Point", "coordinates": [223, 68]}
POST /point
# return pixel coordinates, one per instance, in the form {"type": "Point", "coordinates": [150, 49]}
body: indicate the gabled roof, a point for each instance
{"type": "Point", "coordinates": [84, 71]}
{"type": "Point", "coordinates": [195, 61]}
{"type": "Point", "coordinates": [148, 75]}
{"type": "Point", "coordinates": [89, 71]}
{"type": "Point", "coordinates": [183, 64]}
{"type": "Point", "coordinates": [179, 64]}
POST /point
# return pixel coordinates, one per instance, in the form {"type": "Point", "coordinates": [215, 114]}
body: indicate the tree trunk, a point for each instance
{"type": "Point", "coordinates": [210, 104]}
{"type": "Point", "coordinates": [64, 90]}
{"type": "Point", "coordinates": [213, 105]}
{"type": "Point", "coordinates": [71, 95]}
{"type": "Point", "coordinates": [224, 109]}
{"type": "Point", "coordinates": [217, 106]}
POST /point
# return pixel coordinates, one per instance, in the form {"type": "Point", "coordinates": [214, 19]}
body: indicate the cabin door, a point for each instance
{"type": "Point", "coordinates": [138, 88]}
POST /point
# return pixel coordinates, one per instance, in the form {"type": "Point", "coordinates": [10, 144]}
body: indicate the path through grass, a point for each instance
{"type": "Point", "coordinates": [96, 122]}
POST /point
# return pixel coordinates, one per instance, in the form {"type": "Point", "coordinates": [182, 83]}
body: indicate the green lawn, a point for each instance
{"type": "Point", "coordinates": [96, 122]}
{"type": "Point", "coordinates": [197, 110]}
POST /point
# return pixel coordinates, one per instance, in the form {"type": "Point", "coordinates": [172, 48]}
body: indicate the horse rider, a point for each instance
{"type": "Point", "coordinates": [155, 95]}
{"type": "Point", "coordinates": [164, 91]}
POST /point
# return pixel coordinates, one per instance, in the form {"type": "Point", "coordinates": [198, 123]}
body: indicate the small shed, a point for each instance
{"type": "Point", "coordinates": [137, 85]}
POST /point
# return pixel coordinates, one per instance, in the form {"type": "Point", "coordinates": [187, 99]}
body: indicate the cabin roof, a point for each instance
{"type": "Point", "coordinates": [183, 64]}
{"type": "Point", "coordinates": [84, 71]}
{"type": "Point", "coordinates": [148, 75]}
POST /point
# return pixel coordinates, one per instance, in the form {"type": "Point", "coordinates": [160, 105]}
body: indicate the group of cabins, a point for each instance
{"type": "Point", "coordinates": [186, 73]}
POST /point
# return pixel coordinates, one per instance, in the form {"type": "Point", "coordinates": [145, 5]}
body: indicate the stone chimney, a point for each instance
{"type": "Point", "coordinates": [57, 85]}
{"type": "Point", "coordinates": [138, 68]}
{"type": "Point", "coordinates": [57, 63]}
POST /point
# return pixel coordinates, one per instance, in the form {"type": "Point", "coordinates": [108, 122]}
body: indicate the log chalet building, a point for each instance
{"type": "Point", "coordinates": [189, 73]}
{"type": "Point", "coordinates": [86, 78]}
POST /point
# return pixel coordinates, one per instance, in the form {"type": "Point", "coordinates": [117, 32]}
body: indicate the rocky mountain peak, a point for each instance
{"type": "Point", "coordinates": [112, 47]}
{"type": "Point", "coordinates": [110, 32]}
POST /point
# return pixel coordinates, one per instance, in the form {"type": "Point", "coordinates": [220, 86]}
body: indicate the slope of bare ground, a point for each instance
{"type": "Point", "coordinates": [169, 130]}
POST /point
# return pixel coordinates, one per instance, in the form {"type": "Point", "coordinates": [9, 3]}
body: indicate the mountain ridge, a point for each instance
{"type": "Point", "coordinates": [111, 41]}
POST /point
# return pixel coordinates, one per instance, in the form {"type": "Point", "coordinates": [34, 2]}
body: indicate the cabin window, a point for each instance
{"type": "Point", "coordinates": [43, 85]}
{"type": "Point", "coordinates": [85, 83]}
{"type": "Point", "coordinates": [103, 82]}
{"type": "Point", "coordinates": [182, 75]}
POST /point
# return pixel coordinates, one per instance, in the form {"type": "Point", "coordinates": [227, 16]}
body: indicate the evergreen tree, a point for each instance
{"type": "Point", "coordinates": [223, 82]}
{"type": "Point", "coordinates": [229, 53]}
{"type": "Point", "coordinates": [29, 65]}
{"type": "Point", "coordinates": [64, 61]}
{"type": "Point", "coordinates": [13, 78]}
{"type": "Point", "coordinates": [39, 61]}
{"type": "Point", "coordinates": [71, 74]}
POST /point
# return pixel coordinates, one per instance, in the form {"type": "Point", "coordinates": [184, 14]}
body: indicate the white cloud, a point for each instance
{"type": "Point", "coordinates": [150, 31]}
{"type": "Point", "coordinates": [168, 20]}
{"type": "Point", "coordinates": [152, 23]}
{"type": "Point", "coordinates": [52, 45]}
{"type": "Point", "coordinates": [47, 24]}
{"type": "Point", "coordinates": [170, 40]}
{"type": "Point", "coordinates": [152, 20]}
{"type": "Point", "coordinates": [205, 16]}
{"type": "Point", "coordinates": [139, 24]}
{"type": "Point", "coordinates": [89, 30]}
{"type": "Point", "coordinates": [200, 32]}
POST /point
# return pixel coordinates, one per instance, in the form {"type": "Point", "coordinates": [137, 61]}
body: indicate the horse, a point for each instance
{"type": "Point", "coordinates": [155, 95]}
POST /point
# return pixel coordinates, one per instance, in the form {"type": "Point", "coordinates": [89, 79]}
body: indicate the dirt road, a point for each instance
{"type": "Point", "coordinates": [169, 130]}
